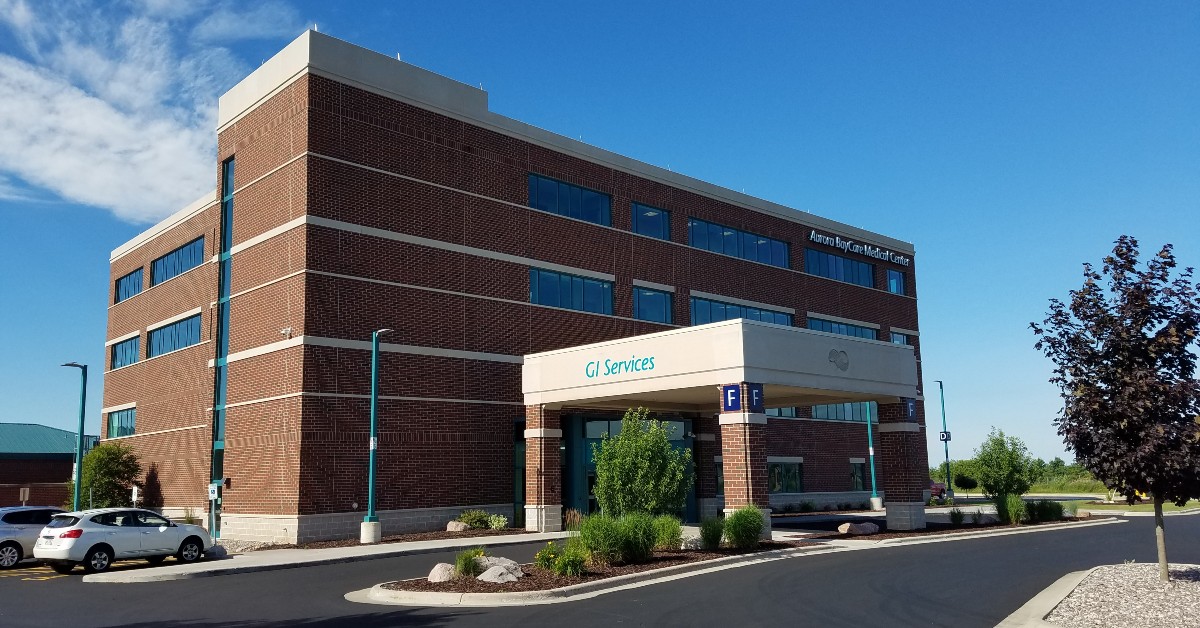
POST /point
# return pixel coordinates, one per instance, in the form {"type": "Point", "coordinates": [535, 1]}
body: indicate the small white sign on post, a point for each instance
{"type": "Point", "coordinates": [374, 442]}
{"type": "Point", "coordinates": [135, 495]}
{"type": "Point", "coordinates": [212, 492]}
{"type": "Point", "coordinates": [24, 495]}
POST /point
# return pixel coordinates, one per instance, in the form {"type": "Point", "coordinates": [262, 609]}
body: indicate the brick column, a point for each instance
{"type": "Point", "coordinates": [744, 459]}
{"type": "Point", "coordinates": [903, 457]}
{"type": "Point", "coordinates": [543, 470]}
{"type": "Point", "coordinates": [707, 447]}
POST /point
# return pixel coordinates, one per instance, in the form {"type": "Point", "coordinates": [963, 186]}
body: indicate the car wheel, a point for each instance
{"type": "Point", "coordinates": [190, 550]}
{"type": "Point", "coordinates": [62, 567]}
{"type": "Point", "coordinates": [155, 560]}
{"type": "Point", "coordinates": [10, 555]}
{"type": "Point", "coordinates": [98, 559]}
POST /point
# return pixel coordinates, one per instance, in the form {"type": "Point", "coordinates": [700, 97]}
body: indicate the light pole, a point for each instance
{"type": "Point", "coordinates": [945, 436]}
{"type": "Point", "coordinates": [370, 530]}
{"type": "Point", "coordinates": [876, 503]}
{"type": "Point", "coordinates": [79, 437]}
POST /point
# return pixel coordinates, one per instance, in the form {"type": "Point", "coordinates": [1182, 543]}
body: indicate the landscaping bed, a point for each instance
{"type": "Point", "coordinates": [435, 535]}
{"type": "Point", "coordinates": [539, 579]}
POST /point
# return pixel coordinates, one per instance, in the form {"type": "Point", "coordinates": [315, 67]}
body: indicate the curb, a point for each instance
{"type": "Point", "coordinates": [1048, 527]}
{"type": "Point", "coordinates": [1033, 613]}
{"type": "Point", "coordinates": [155, 574]}
{"type": "Point", "coordinates": [1132, 513]}
{"type": "Point", "coordinates": [379, 595]}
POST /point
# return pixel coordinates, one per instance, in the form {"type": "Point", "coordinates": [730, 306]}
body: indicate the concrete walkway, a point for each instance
{"type": "Point", "coordinates": [270, 560]}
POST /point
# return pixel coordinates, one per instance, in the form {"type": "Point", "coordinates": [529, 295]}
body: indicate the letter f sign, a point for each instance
{"type": "Point", "coordinates": [731, 398]}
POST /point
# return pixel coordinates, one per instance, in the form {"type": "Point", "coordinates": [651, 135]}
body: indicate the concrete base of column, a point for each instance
{"type": "Point", "coordinates": [540, 518]}
{"type": "Point", "coordinates": [370, 532]}
{"type": "Point", "coordinates": [876, 503]}
{"type": "Point", "coordinates": [766, 512]}
{"type": "Point", "coordinates": [905, 516]}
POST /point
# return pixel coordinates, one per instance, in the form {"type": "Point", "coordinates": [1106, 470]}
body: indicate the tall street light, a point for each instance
{"type": "Point", "coordinates": [370, 531]}
{"type": "Point", "coordinates": [79, 437]}
{"type": "Point", "coordinates": [945, 438]}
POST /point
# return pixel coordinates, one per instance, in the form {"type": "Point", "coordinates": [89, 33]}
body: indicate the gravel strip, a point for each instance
{"type": "Point", "coordinates": [1131, 595]}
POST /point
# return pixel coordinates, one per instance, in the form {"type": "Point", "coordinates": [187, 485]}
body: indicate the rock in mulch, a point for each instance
{"type": "Point", "coordinates": [497, 575]}
{"type": "Point", "coordinates": [511, 566]}
{"type": "Point", "coordinates": [1132, 595]}
{"type": "Point", "coordinates": [216, 551]}
{"type": "Point", "coordinates": [442, 572]}
{"type": "Point", "coordinates": [457, 526]}
{"type": "Point", "coordinates": [858, 528]}
{"type": "Point", "coordinates": [691, 543]}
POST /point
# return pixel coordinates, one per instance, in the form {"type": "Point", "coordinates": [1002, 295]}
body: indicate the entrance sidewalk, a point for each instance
{"type": "Point", "coordinates": [270, 560]}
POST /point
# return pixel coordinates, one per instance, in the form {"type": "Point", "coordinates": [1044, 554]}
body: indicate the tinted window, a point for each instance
{"type": "Point", "coordinates": [19, 517]}
{"type": "Point", "coordinates": [177, 262]}
{"type": "Point", "coordinates": [565, 199]}
{"type": "Point", "coordinates": [730, 241]}
{"type": "Point", "coordinates": [651, 221]}
{"type": "Point", "coordinates": [41, 517]}
{"type": "Point", "coordinates": [150, 520]}
{"type": "Point", "coordinates": [839, 268]}
{"type": "Point", "coordinates": [652, 305]}
{"type": "Point", "coordinates": [62, 521]}
{"type": "Point", "coordinates": [173, 337]}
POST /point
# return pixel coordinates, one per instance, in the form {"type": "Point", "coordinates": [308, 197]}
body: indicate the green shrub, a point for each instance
{"type": "Point", "coordinates": [497, 522]}
{"type": "Point", "coordinates": [1071, 509]}
{"type": "Point", "coordinates": [600, 537]}
{"type": "Point", "coordinates": [977, 517]}
{"type": "Point", "coordinates": [570, 562]}
{"type": "Point", "coordinates": [965, 482]}
{"type": "Point", "coordinates": [807, 506]}
{"type": "Point", "coordinates": [189, 516]}
{"type": "Point", "coordinates": [668, 532]}
{"type": "Point", "coordinates": [1044, 510]}
{"type": "Point", "coordinates": [639, 470]}
{"type": "Point", "coordinates": [475, 519]}
{"type": "Point", "coordinates": [711, 529]}
{"type": "Point", "coordinates": [1010, 509]}
{"type": "Point", "coordinates": [464, 562]}
{"type": "Point", "coordinates": [956, 517]}
{"type": "Point", "coordinates": [1003, 465]}
{"type": "Point", "coordinates": [546, 556]}
{"type": "Point", "coordinates": [638, 536]}
{"type": "Point", "coordinates": [744, 526]}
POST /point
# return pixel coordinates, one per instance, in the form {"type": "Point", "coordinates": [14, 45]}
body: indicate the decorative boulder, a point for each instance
{"type": "Point", "coordinates": [216, 551]}
{"type": "Point", "coordinates": [498, 575]}
{"type": "Point", "coordinates": [442, 572]}
{"type": "Point", "coordinates": [858, 528]}
{"type": "Point", "coordinates": [509, 565]}
{"type": "Point", "coordinates": [691, 543]}
{"type": "Point", "coordinates": [457, 526]}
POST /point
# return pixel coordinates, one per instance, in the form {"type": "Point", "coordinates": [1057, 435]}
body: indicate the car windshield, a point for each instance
{"type": "Point", "coordinates": [62, 521]}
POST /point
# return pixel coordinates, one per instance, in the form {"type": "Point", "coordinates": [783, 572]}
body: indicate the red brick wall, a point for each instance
{"type": "Point", "coordinates": [904, 455]}
{"type": "Point", "coordinates": [46, 480]}
{"type": "Point", "coordinates": [543, 470]}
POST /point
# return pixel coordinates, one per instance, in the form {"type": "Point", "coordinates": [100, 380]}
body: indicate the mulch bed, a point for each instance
{"type": "Point", "coordinates": [931, 529]}
{"type": "Point", "coordinates": [398, 538]}
{"type": "Point", "coordinates": [538, 579]}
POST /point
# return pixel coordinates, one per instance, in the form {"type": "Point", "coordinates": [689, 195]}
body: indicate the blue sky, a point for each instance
{"type": "Point", "coordinates": [1009, 142]}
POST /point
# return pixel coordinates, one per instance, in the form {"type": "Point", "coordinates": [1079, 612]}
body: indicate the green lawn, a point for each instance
{"type": "Point", "coordinates": [1141, 507]}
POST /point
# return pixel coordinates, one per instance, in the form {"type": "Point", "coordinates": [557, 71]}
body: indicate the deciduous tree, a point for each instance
{"type": "Point", "coordinates": [639, 470]}
{"type": "Point", "coordinates": [1124, 358]}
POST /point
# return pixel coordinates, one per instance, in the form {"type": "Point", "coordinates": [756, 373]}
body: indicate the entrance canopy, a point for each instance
{"type": "Point", "coordinates": [681, 369]}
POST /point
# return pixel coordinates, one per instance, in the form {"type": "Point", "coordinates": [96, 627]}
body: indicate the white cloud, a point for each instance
{"type": "Point", "coordinates": [264, 20]}
{"type": "Point", "coordinates": [113, 105]}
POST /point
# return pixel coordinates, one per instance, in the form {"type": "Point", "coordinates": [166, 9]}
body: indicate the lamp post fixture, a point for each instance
{"type": "Point", "coordinates": [79, 437]}
{"type": "Point", "coordinates": [370, 530]}
{"type": "Point", "coordinates": [876, 502]}
{"type": "Point", "coordinates": [945, 438]}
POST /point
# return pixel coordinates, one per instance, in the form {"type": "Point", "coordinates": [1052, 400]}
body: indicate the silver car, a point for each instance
{"type": "Point", "coordinates": [19, 528]}
{"type": "Point", "coordinates": [98, 538]}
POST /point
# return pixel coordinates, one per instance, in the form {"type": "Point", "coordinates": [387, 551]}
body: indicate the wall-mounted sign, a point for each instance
{"type": "Point", "coordinates": [609, 367]}
{"type": "Point", "coordinates": [850, 246]}
{"type": "Point", "coordinates": [731, 398]}
{"type": "Point", "coordinates": [910, 409]}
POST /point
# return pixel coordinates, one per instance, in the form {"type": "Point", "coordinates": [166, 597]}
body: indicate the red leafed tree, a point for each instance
{"type": "Point", "coordinates": [1125, 361]}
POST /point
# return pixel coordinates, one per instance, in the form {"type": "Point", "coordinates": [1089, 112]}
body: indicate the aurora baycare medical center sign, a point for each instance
{"type": "Point", "coordinates": [850, 246]}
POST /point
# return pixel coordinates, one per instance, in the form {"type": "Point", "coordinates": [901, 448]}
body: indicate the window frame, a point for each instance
{"type": "Point", "coordinates": [670, 305]}
{"type": "Point", "coordinates": [897, 282]}
{"type": "Point", "coordinates": [125, 279]}
{"type": "Point", "coordinates": [579, 200]}
{"type": "Point", "coordinates": [128, 348]}
{"type": "Point", "coordinates": [586, 289]}
{"type": "Point", "coordinates": [117, 425]}
{"type": "Point", "coordinates": [717, 238]}
{"type": "Point", "coordinates": [174, 328]}
{"type": "Point", "coordinates": [196, 259]}
{"type": "Point", "coordinates": [839, 268]}
{"type": "Point", "coordinates": [638, 217]}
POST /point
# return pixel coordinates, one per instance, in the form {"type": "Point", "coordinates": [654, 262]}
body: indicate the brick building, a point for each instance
{"type": "Point", "coordinates": [39, 459]}
{"type": "Point", "coordinates": [356, 192]}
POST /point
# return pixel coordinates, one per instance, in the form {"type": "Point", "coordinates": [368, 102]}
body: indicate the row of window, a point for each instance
{"type": "Point", "coordinates": [163, 268]}
{"type": "Point", "coordinates": [566, 199]}
{"type": "Point", "coordinates": [788, 477]}
{"type": "Point", "coordinates": [585, 294]}
{"type": "Point", "coordinates": [856, 411]}
{"type": "Point", "coordinates": [709, 311]}
{"type": "Point", "coordinates": [165, 339]}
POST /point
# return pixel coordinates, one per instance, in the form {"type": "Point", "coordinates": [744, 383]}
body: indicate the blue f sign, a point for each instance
{"type": "Point", "coordinates": [731, 398]}
{"type": "Point", "coordinates": [756, 397]}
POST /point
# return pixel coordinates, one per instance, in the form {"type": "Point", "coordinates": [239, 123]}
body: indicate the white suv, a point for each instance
{"type": "Point", "coordinates": [19, 526]}
{"type": "Point", "coordinates": [97, 538]}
